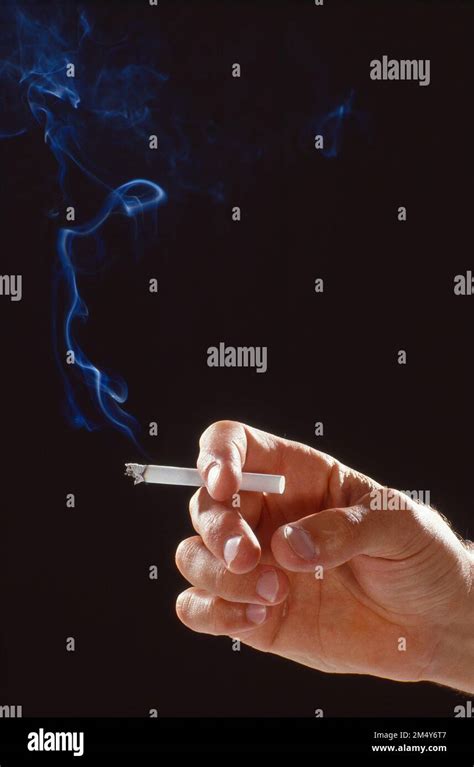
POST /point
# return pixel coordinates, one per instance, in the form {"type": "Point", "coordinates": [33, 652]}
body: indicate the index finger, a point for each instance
{"type": "Point", "coordinates": [226, 447]}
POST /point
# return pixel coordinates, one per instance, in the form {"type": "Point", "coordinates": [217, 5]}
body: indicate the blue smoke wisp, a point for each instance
{"type": "Point", "coordinates": [130, 199]}
{"type": "Point", "coordinates": [44, 76]}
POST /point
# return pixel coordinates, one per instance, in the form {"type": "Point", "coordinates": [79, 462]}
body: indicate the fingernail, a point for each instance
{"type": "Point", "coordinates": [256, 613]}
{"type": "Point", "coordinates": [267, 586]}
{"type": "Point", "coordinates": [301, 542]}
{"type": "Point", "coordinates": [213, 475]}
{"type": "Point", "coordinates": [231, 549]}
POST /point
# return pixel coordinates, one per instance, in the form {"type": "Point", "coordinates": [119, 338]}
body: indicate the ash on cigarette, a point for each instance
{"type": "Point", "coordinates": [136, 471]}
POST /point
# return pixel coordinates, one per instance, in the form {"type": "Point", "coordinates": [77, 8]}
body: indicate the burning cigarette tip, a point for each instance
{"type": "Point", "coordinates": [136, 471]}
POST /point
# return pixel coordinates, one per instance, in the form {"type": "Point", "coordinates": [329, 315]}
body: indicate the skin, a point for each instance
{"type": "Point", "coordinates": [393, 595]}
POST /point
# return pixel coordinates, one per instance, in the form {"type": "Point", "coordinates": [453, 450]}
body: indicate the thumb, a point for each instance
{"type": "Point", "coordinates": [334, 536]}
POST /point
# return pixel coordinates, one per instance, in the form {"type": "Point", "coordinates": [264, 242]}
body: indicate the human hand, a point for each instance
{"type": "Point", "coordinates": [320, 575]}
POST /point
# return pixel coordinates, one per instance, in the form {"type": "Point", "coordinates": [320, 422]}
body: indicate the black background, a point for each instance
{"type": "Point", "coordinates": [332, 357]}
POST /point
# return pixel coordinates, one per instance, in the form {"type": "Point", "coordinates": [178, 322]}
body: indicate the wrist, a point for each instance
{"type": "Point", "coordinates": [453, 665]}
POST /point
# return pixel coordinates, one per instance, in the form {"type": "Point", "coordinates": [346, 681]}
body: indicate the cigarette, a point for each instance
{"type": "Point", "coordinates": [174, 475]}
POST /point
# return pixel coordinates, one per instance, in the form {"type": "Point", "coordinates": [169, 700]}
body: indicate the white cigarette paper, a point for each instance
{"type": "Point", "coordinates": [174, 475]}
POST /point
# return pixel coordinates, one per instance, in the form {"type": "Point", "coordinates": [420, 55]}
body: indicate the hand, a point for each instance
{"type": "Point", "coordinates": [320, 575]}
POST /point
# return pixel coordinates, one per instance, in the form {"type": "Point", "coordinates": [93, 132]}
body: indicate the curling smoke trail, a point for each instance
{"type": "Point", "coordinates": [110, 393]}
{"type": "Point", "coordinates": [38, 80]}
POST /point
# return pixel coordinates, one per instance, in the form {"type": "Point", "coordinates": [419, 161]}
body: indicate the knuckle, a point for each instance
{"type": "Point", "coordinates": [230, 586]}
{"type": "Point", "coordinates": [221, 580]}
{"type": "Point", "coordinates": [198, 502]}
{"type": "Point", "coordinates": [216, 428]}
{"type": "Point", "coordinates": [348, 521]}
{"type": "Point", "coordinates": [214, 616]}
{"type": "Point", "coordinates": [224, 424]}
{"type": "Point", "coordinates": [212, 530]}
{"type": "Point", "coordinates": [210, 430]}
{"type": "Point", "coordinates": [221, 617]}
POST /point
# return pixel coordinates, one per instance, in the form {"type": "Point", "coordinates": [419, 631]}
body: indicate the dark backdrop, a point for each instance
{"type": "Point", "coordinates": [83, 572]}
